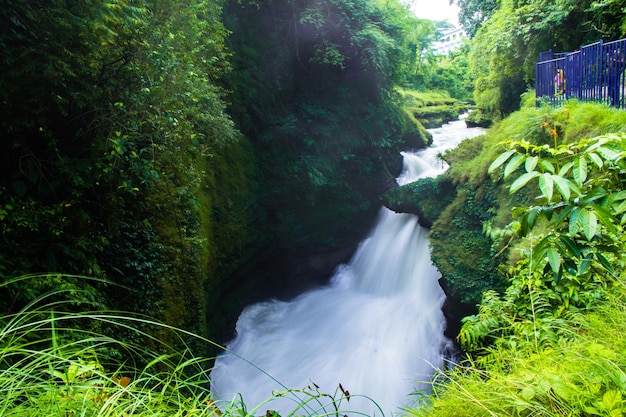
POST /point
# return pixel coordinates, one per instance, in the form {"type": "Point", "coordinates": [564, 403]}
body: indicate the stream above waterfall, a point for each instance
{"type": "Point", "coordinates": [376, 330]}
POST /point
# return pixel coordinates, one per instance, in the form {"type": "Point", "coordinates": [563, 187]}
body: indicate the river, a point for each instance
{"type": "Point", "coordinates": [374, 334]}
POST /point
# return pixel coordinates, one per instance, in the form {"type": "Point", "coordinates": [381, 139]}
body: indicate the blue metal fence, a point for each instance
{"type": "Point", "coordinates": [596, 72]}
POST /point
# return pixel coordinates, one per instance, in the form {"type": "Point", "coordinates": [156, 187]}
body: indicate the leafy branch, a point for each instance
{"type": "Point", "coordinates": [573, 237]}
{"type": "Point", "coordinates": [581, 198]}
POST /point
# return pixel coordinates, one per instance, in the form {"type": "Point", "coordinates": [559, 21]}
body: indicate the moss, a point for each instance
{"type": "Point", "coordinates": [436, 115]}
{"type": "Point", "coordinates": [188, 234]}
{"type": "Point", "coordinates": [431, 109]}
{"type": "Point", "coordinates": [425, 198]}
{"type": "Point", "coordinates": [414, 133]}
{"type": "Point", "coordinates": [460, 249]}
{"type": "Point", "coordinates": [464, 161]}
{"type": "Point", "coordinates": [231, 221]}
{"type": "Point", "coordinates": [477, 118]}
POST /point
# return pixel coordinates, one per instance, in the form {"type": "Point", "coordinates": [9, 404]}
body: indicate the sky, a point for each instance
{"type": "Point", "coordinates": [435, 10]}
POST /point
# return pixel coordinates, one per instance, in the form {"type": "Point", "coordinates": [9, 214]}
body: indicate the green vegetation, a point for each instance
{"type": "Point", "coordinates": [116, 150]}
{"type": "Point", "coordinates": [62, 355]}
{"type": "Point", "coordinates": [426, 198]}
{"type": "Point", "coordinates": [140, 150]}
{"type": "Point", "coordinates": [450, 74]}
{"type": "Point", "coordinates": [481, 207]}
{"type": "Point", "coordinates": [323, 113]}
{"type": "Point", "coordinates": [120, 159]}
{"type": "Point", "coordinates": [161, 147]}
{"type": "Point", "coordinates": [579, 371]}
{"type": "Point", "coordinates": [474, 13]}
{"type": "Point", "coordinates": [551, 343]}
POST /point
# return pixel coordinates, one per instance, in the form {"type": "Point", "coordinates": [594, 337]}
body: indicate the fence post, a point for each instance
{"type": "Point", "coordinates": [536, 84]}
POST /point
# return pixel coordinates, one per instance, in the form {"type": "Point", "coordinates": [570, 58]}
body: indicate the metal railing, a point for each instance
{"type": "Point", "coordinates": [596, 72]}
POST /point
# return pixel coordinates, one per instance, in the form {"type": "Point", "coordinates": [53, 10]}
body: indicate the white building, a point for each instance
{"type": "Point", "coordinates": [451, 39]}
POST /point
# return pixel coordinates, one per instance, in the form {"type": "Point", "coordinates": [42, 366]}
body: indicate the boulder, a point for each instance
{"type": "Point", "coordinates": [426, 198]}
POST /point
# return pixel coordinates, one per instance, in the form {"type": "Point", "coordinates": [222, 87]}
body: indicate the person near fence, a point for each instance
{"type": "Point", "coordinates": [596, 72]}
{"type": "Point", "coordinates": [559, 83]}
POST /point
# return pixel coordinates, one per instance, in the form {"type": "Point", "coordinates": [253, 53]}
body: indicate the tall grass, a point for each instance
{"type": "Point", "coordinates": [55, 360]}
{"type": "Point", "coordinates": [59, 359]}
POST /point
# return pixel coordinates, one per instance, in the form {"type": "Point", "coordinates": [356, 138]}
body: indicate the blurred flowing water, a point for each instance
{"type": "Point", "coordinates": [376, 328]}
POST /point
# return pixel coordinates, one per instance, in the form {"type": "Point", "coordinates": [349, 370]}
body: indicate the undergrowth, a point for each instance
{"type": "Point", "coordinates": [580, 374]}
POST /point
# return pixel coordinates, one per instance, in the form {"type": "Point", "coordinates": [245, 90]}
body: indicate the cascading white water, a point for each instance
{"type": "Point", "coordinates": [376, 329]}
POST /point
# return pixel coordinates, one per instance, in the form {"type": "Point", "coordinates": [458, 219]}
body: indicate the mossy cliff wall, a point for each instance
{"type": "Point", "coordinates": [118, 159]}
{"type": "Point", "coordinates": [325, 124]}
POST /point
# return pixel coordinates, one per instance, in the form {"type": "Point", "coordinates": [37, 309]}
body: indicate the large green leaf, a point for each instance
{"type": "Point", "coordinates": [620, 208]}
{"type": "Point", "coordinates": [580, 170]}
{"type": "Point", "coordinates": [619, 196]}
{"type": "Point", "coordinates": [547, 166]}
{"type": "Point", "coordinates": [612, 400]}
{"type": "Point", "coordinates": [531, 163]}
{"type": "Point", "coordinates": [617, 202]}
{"type": "Point", "coordinates": [573, 221]}
{"type": "Point", "coordinates": [607, 153]}
{"type": "Point", "coordinates": [528, 220]}
{"type": "Point", "coordinates": [565, 169]}
{"type": "Point", "coordinates": [605, 262]}
{"type": "Point", "coordinates": [570, 245]}
{"type": "Point", "coordinates": [500, 160]}
{"type": "Point", "coordinates": [606, 218]}
{"type": "Point", "coordinates": [554, 259]}
{"type": "Point", "coordinates": [546, 185]}
{"type": "Point", "coordinates": [562, 186]}
{"type": "Point", "coordinates": [596, 159]}
{"type": "Point", "coordinates": [522, 181]}
{"type": "Point", "coordinates": [513, 164]}
{"type": "Point", "coordinates": [588, 223]}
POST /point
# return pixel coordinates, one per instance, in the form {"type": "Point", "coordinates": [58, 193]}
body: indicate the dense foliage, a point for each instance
{"type": "Point", "coordinates": [120, 159]}
{"type": "Point", "coordinates": [116, 153]}
{"type": "Point", "coordinates": [140, 150]}
{"type": "Point", "coordinates": [316, 94]}
{"type": "Point", "coordinates": [550, 344]}
{"type": "Point", "coordinates": [452, 73]}
{"type": "Point", "coordinates": [477, 207]}
{"type": "Point", "coordinates": [473, 13]}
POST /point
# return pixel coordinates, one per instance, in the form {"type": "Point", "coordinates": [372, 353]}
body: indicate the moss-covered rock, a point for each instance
{"type": "Point", "coordinates": [476, 118]}
{"type": "Point", "coordinates": [413, 132]}
{"type": "Point", "coordinates": [432, 109]}
{"type": "Point", "coordinates": [426, 198]}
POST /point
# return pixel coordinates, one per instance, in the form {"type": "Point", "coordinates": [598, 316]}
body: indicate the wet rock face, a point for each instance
{"type": "Point", "coordinates": [454, 310]}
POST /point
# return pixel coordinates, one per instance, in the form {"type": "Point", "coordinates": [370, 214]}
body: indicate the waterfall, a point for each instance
{"type": "Point", "coordinates": [376, 328]}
